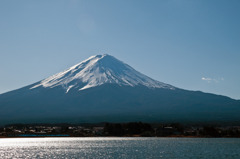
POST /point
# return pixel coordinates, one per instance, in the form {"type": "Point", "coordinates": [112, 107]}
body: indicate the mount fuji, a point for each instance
{"type": "Point", "coordinates": [103, 88]}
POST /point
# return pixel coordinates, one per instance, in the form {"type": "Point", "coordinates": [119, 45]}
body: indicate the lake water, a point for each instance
{"type": "Point", "coordinates": [129, 148]}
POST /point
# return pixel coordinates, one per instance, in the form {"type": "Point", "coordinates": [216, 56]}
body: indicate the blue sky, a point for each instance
{"type": "Point", "coordinates": [190, 44]}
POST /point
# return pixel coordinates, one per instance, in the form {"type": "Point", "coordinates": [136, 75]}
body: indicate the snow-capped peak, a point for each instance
{"type": "Point", "coordinates": [98, 70]}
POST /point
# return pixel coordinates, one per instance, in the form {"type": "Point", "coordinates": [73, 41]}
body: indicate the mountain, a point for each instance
{"type": "Point", "coordinates": [103, 88]}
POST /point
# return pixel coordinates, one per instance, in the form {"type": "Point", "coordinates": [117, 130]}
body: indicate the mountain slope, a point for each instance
{"type": "Point", "coordinates": [103, 88]}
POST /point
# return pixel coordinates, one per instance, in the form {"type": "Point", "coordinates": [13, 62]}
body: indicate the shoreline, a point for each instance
{"type": "Point", "coordinates": [131, 129]}
{"type": "Point", "coordinates": [7, 137]}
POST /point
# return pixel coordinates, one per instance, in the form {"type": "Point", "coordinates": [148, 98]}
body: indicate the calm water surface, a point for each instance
{"type": "Point", "coordinates": [179, 148]}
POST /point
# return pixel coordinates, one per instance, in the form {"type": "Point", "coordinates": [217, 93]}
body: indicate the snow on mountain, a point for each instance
{"type": "Point", "coordinates": [98, 70]}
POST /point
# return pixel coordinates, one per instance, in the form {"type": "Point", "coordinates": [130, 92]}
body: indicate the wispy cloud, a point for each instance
{"type": "Point", "coordinates": [209, 80]}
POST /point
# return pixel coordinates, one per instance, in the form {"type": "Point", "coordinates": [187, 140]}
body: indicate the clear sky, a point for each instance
{"type": "Point", "coordinates": [191, 44]}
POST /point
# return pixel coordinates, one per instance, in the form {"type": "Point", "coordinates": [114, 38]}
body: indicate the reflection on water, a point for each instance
{"type": "Point", "coordinates": [180, 148]}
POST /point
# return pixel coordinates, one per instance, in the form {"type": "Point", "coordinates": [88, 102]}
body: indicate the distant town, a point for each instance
{"type": "Point", "coordinates": [132, 129]}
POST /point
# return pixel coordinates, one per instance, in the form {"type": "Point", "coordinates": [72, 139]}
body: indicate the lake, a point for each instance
{"type": "Point", "coordinates": [115, 147]}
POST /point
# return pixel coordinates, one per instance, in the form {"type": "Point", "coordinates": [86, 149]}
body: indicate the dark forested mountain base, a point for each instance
{"type": "Point", "coordinates": [115, 103]}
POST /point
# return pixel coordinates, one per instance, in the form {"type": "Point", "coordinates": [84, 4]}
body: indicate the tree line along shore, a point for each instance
{"type": "Point", "coordinates": [131, 129]}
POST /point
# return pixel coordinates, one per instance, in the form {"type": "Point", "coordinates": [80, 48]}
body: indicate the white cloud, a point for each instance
{"type": "Point", "coordinates": [206, 79]}
{"type": "Point", "coordinates": [209, 80]}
